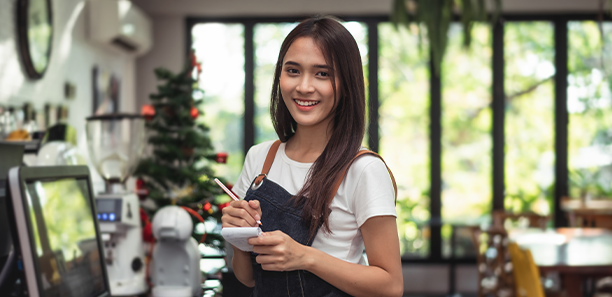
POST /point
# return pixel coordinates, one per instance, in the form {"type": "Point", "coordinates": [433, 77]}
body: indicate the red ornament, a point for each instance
{"type": "Point", "coordinates": [148, 111]}
{"type": "Point", "coordinates": [194, 113]}
{"type": "Point", "coordinates": [223, 205]}
{"type": "Point", "coordinates": [221, 158]}
{"type": "Point", "coordinates": [147, 231]}
{"type": "Point", "coordinates": [194, 60]}
{"type": "Point", "coordinates": [229, 186]}
{"type": "Point", "coordinates": [206, 206]}
{"type": "Point", "coordinates": [141, 189]}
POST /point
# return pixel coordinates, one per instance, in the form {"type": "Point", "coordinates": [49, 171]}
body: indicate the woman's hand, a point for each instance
{"type": "Point", "coordinates": [241, 214]}
{"type": "Point", "coordinates": [279, 252]}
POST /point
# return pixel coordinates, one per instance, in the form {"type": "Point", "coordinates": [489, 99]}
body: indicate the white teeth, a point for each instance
{"type": "Point", "coordinates": [306, 103]}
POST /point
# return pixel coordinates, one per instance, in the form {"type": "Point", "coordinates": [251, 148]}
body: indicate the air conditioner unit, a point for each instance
{"type": "Point", "coordinates": [121, 25]}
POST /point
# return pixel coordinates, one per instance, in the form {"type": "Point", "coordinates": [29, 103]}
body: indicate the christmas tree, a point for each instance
{"type": "Point", "coordinates": [177, 170]}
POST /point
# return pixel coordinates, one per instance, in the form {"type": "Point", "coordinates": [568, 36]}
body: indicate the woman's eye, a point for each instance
{"type": "Point", "coordinates": [292, 71]}
{"type": "Point", "coordinates": [324, 74]}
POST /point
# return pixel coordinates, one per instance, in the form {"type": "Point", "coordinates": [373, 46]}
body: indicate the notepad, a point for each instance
{"type": "Point", "coordinates": [239, 236]}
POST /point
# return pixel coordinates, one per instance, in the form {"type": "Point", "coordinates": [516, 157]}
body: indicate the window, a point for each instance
{"type": "Point", "coordinates": [466, 132]}
{"type": "Point", "coordinates": [589, 104]}
{"type": "Point", "coordinates": [403, 77]}
{"type": "Point", "coordinates": [444, 129]}
{"type": "Point", "coordinates": [530, 110]}
{"type": "Point", "coordinates": [222, 80]}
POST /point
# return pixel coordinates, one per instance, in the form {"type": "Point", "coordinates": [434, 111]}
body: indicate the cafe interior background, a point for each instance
{"type": "Point", "coordinates": [519, 121]}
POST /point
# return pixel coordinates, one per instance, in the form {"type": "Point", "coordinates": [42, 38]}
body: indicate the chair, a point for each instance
{"type": "Point", "coordinates": [508, 220]}
{"type": "Point", "coordinates": [526, 274]}
{"type": "Point", "coordinates": [494, 269]}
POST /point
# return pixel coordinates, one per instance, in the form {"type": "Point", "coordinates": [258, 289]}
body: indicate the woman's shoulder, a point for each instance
{"type": "Point", "coordinates": [259, 150]}
{"type": "Point", "coordinates": [368, 160]}
{"type": "Point", "coordinates": [368, 166]}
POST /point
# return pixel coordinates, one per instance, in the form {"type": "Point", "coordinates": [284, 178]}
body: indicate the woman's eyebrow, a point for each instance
{"type": "Point", "coordinates": [321, 66]}
{"type": "Point", "coordinates": [315, 65]}
{"type": "Point", "coordinates": [292, 63]}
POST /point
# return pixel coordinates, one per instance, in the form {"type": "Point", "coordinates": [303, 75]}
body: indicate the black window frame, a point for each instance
{"type": "Point", "coordinates": [561, 116]}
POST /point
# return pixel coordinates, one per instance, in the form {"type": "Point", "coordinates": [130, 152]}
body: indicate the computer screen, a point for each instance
{"type": "Point", "coordinates": [10, 156]}
{"type": "Point", "coordinates": [57, 231]}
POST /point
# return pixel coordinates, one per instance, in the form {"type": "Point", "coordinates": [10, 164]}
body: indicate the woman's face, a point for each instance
{"type": "Point", "coordinates": [306, 84]}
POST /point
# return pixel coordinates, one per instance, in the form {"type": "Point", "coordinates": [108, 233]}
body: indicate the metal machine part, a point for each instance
{"type": "Point", "coordinates": [115, 144]}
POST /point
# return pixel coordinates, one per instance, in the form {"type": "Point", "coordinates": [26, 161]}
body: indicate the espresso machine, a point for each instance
{"type": "Point", "coordinates": [116, 142]}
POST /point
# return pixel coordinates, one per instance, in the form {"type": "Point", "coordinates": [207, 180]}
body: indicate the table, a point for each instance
{"type": "Point", "coordinates": [595, 205]}
{"type": "Point", "coordinates": [588, 213]}
{"type": "Point", "coordinates": [577, 254]}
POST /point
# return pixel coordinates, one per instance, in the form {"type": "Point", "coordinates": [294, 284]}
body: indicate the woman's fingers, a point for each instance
{"type": "Point", "coordinates": [277, 251]}
{"type": "Point", "coordinates": [254, 204]}
{"type": "Point", "coordinates": [240, 214]}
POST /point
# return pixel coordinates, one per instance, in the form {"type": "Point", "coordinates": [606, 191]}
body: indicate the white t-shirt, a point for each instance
{"type": "Point", "coordinates": [365, 192]}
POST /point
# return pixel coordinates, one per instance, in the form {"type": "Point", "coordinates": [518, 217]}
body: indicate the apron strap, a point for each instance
{"type": "Point", "coordinates": [272, 154]}
{"type": "Point", "coordinates": [268, 162]}
{"type": "Point", "coordinates": [359, 154]}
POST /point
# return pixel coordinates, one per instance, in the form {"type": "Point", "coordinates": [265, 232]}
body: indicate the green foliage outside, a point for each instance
{"type": "Point", "coordinates": [403, 76]}
{"type": "Point", "coordinates": [466, 118]}
{"type": "Point", "coordinates": [590, 110]}
{"type": "Point", "coordinates": [529, 119]}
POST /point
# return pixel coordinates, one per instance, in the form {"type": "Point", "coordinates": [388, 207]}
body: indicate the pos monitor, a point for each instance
{"type": "Point", "coordinates": [57, 232]}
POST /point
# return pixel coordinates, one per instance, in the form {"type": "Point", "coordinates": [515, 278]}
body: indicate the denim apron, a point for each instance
{"type": "Point", "coordinates": [280, 213]}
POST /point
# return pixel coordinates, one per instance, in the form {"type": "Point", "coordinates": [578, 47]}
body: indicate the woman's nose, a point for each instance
{"type": "Point", "coordinates": [305, 85]}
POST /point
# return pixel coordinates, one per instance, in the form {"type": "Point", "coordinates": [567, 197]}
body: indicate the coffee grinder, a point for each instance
{"type": "Point", "coordinates": [116, 142]}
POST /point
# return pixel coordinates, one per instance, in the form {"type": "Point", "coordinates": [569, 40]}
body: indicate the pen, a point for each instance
{"type": "Point", "coordinates": [230, 193]}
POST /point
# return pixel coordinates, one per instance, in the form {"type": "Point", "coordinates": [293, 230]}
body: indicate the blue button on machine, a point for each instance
{"type": "Point", "coordinates": [111, 216]}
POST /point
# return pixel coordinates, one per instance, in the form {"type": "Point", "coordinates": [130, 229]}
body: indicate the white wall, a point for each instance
{"type": "Point", "coordinates": [72, 59]}
{"type": "Point", "coordinates": [168, 51]}
{"type": "Point", "coordinates": [339, 7]}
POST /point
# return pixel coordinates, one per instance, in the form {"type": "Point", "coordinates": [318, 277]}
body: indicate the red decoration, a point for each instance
{"type": "Point", "coordinates": [148, 111]}
{"type": "Point", "coordinates": [229, 186]}
{"type": "Point", "coordinates": [141, 189]}
{"type": "Point", "coordinates": [147, 231]}
{"type": "Point", "coordinates": [195, 63]}
{"type": "Point", "coordinates": [206, 206]}
{"type": "Point", "coordinates": [194, 113]}
{"type": "Point", "coordinates": [223, 205]}
{"type": "Point", "coordinates": [194, 60]}
{"type": "Point", "coordinates": [221, 158]}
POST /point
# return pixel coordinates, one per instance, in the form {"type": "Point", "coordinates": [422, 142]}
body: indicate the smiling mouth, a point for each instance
{"type": "Point", "coordinates": [306, 102]}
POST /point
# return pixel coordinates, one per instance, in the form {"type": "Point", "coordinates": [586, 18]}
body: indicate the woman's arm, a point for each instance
{"type": "Point", "coordinates": [383, 277]}
{"type": "Point", "coordinates": [243, 269]}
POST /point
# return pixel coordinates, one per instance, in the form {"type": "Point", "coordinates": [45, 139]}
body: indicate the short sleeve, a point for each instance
{"type": "Point", "coordinates": [373, 189]}
{"type": "Point", "coordinates": [252, 167]}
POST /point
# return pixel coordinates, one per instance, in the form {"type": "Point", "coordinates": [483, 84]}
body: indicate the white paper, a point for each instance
{"type": "Point", "coordinates": [239, 236]}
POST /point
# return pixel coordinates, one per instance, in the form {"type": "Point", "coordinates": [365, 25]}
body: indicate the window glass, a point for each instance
{"type": "Point", "coordinates": [220, 49]}
{"type": "Point", "coordinates": [360, 33]}
{"type": "Point", "coordinates": [268, 39]}
{"type": "Point", "coordinates": [466, 131]}
{"type": "Point", "coordinates": [529, 116]}
{"type": "Point", "coordinates": [403, 78]}
{"type": "Point", "coordinates": [589, 103]}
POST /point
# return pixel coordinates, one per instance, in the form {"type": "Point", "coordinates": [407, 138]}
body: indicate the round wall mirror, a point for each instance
{"type": "Point", "coordinates": [35, 30]}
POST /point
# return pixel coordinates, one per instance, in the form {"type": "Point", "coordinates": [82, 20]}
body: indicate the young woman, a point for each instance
{"type": "Point", "coordinates": [319, 202]}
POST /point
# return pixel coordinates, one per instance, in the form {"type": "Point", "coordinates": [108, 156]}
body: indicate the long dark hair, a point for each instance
{"type": "Point", "coordinates": [340, 50]}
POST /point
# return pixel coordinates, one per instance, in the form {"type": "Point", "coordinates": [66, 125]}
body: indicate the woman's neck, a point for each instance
{"type": "Point", "coordinates": [307, 144]}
